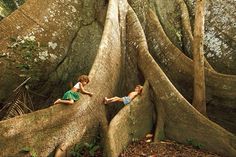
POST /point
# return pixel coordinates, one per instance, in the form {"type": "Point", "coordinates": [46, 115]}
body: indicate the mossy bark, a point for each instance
{"type": "Point", "coordinates": [205, 132]}
{"type": "Point", "coordinates": [45, 130]}
{"type": "Point", "coordinates": [219, 86]}
{"type": "Point", "coordinates": [187, 32]}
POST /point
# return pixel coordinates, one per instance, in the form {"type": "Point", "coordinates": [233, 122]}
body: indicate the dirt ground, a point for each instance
{"type": "Point", "coordinates": [147, 148]}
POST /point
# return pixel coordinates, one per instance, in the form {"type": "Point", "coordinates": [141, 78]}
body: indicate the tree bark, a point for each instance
{"type": "Point", "coordinates": [220, 87]}
{"type": "Point", "coordinates": [45, 130]}
{"type": "Point", "coordinates": [63, 126]}
{"type": "Point", "coordinates": [131, 123]}
{"type": "Point", "coordinates": [204, 132]}
{"type": "Point", "coordinates": [56, 33]}
{"type": "Point", "coordinates": [187, 32]}
{"type": "Point", "coordinates": [199, 95]}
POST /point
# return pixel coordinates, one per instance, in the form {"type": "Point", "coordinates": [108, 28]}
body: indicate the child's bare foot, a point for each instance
{"type": "Point", "coordinates": [105, 100]}
{"type": "Point", "coordinates": [57, 101]}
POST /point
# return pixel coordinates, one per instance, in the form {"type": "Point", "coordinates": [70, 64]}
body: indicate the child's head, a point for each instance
{"type": "Point", "coordinates": [84, 79]}
{"type": "Point", "coordinates": [139, 89]}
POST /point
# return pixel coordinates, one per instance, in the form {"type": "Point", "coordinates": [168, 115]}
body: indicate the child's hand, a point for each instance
{"type": "Point", "coordinates": [90, 94]}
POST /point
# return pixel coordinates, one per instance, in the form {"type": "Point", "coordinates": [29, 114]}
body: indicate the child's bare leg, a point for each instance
{"type": "Point", "coordinates": [68, 102]}
{"type": "Point", "coordinates": [113, 99]}
{"type": "Point", "coordinates": [57, 101]}
{"type": "Point", "coordinates": [116, 99]}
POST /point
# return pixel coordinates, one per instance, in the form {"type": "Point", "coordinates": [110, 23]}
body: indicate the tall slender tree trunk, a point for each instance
{"type": "Point", "coordinates": [199, 99]}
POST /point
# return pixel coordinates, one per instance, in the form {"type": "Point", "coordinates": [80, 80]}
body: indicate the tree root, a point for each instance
{"type": "Point", "coordinates": [179, 114]}
{"type": "Point", "coordinates": [133, 122]}
{"type": "Point", "coordinates": [44, 130]}
{"type": "Point", "coordinates": [221, 87]}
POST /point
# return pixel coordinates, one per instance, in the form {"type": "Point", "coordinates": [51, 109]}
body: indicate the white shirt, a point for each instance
{"type": "Point", "coordinates": [77, 86]}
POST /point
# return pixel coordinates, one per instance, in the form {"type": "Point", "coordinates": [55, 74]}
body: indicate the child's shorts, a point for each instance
{"type": "Point", "coordinates": [70, 95]}
{"type": "Point", "coordinates": [126, 100]}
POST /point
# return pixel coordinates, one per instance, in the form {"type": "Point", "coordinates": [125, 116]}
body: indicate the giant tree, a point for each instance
{"type": "Point", "coordinates": [119, 44]}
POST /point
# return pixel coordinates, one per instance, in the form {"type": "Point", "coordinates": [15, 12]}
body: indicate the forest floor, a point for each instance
{"type": "Point", "coordinates": [167, 148]}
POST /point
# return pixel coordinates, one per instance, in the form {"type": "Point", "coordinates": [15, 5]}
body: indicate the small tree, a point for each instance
{"type": "Point", "coordinates": [199, 100]}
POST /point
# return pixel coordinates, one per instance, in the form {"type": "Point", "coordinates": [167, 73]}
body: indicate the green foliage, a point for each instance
{"type": "Point", "coordinates": [23, 67]}
{"type": "Point", "coordinates": [29, 150]}
{"type": "Point", "coordinates": [194, 143]}
{"type": "Point", "coordinates": [8, 6]}
{"type": "Point", "coordinates": [135, 139]}
{"type": "Point", "coordinates": [26, 45]}
{"type": "Point", "coordinates": [20, 2]}
{"type": "Point", "coordinates": [161, 135]}
{"type": "Point", "coordinates": [92, 148]}
{"type": "Point", "coordinates": [76, 151]}
{"type": "Point", "coordinates": [79, 150]}
{"type": "Point", "coordinates": [26, 48]}
{"type": "Point", "coordinates": [12, 4]}
{"type": "Point", "coordinates": [179, 35]}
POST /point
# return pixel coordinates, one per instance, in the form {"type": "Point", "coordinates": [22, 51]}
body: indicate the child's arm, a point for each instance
{"type": "Point", "coordinates": [132, 95]}
{"type": "Point", "coordinates": [84, 91]}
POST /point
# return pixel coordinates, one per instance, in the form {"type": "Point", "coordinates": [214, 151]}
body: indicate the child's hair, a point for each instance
{"type": "Point", "coordinates": [83, 78]}
{"type": "Point", "coordinates": [140, 87]}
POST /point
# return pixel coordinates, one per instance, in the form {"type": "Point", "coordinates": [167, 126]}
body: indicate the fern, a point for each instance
{"type": "Point", "coordinates": [19, 103]}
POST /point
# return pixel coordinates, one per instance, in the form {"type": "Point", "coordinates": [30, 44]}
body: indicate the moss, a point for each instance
{"type": "Point", "coordinates": [28, 51]}
{"type": "Point", "coordinates": [161, 135]}
{"type": "Point", "coordinates": [194, 143]}
{"type": "Point", "coordinates": [30, 151]}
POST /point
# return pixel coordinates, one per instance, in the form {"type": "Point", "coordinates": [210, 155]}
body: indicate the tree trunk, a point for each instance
{"type": "Point", "coordinates": [59, 127]}
{"type": "Point", "coordinates": [204, 132]}
{"type": "Point", "coordinates": [187, 32]}
{"type": "Point", "coordinates": [220, 87]}
{"type": "Point", "coordinates": [131, 123]}
{"type": "Point", "coordinates": [199, 96]}
{"type": "Point", "coordinates": [68, 125]}
{"type": "Point", "coordinates": [56, 34]}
